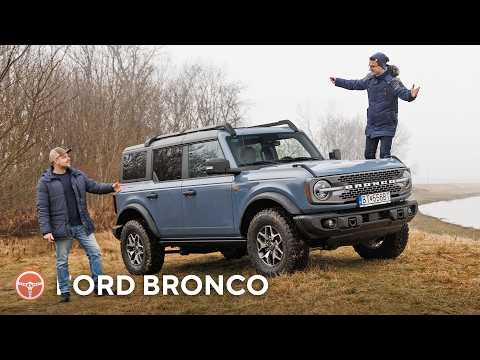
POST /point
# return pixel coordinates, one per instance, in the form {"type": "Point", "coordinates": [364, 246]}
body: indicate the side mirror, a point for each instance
{"type": "Point", "coordinates": [219, 167]}
{"type": "Point", "coordinates": [335, 154]}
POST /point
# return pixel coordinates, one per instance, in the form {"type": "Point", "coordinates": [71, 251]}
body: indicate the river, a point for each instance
{"type": "Point", "coordinates": [464, 212]}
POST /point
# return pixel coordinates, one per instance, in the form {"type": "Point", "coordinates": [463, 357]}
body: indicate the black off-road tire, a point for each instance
{"type": "Point", "coordinates": [153, 252]}
{"type": "Point", "coordinates": [235, 252]}
{"type": "Point", "coordinates": [296, 250]}
{"type": "Point", "coordinates": [392, 246]}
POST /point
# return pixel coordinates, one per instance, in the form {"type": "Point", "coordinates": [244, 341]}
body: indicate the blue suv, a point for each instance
{"type": "Point", "coordinates": [265, 191]}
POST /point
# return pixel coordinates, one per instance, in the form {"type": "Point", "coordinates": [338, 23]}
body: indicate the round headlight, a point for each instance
{"type": "Point", "coordinates": [318, 190]}
{"type": "Point", "coordinates": [406, 175]}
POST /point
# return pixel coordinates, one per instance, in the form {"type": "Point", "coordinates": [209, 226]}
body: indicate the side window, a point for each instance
{"type": "Point", "coordinates": [199, 153]}
{"type": "Point", "coordinates": [134, 165]}
{"type": "Point", "coordinates": [167, 163]}
{"type": "Point", "coordinates": [247, 150]}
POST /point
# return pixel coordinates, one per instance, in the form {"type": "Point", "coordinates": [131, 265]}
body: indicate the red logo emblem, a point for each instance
{"type": "Point", "coordinates": [30, 285]}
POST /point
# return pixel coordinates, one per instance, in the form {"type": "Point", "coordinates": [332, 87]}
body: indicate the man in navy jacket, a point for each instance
{"type": "Point", "coordinates": [384, 88]}
{"type": "Point", "coordinates": [63, 214]}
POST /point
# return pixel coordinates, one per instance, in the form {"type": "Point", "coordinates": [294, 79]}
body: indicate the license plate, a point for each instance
{"type": "Point", "coordinates": [374, 199]}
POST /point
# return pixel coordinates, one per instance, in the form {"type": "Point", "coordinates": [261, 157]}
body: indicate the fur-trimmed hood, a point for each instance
{"type": "Point", "coordinates": [393, 70]}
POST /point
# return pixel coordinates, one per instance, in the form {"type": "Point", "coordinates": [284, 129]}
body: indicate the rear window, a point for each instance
{"type": "Point", "coordinates": [135, 165]}
{"type": "Point", "coordinates": [167, 163]}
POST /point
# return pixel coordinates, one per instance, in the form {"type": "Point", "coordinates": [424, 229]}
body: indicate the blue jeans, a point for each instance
{"type": "Point", "coordinates": [62, 249]}
{"type": "Point", "coordinates": [371, 145]}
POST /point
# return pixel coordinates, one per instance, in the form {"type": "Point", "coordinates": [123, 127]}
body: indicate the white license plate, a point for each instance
{"type": "Point", "coordinates": [374, 199]}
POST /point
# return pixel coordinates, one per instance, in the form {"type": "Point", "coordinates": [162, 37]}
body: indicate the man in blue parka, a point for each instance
{"type": "Point", "coordinates": [63, 215]}
{"type": "Point", "coordinates": [384, 88]}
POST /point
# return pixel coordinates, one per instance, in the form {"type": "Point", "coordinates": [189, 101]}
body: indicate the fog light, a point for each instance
{"type": "Point", "coordinates": [329, 223]}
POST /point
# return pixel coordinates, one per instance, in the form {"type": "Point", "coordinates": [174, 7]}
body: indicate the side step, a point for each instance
{"type": "Point", "coordinates": [202, 241]}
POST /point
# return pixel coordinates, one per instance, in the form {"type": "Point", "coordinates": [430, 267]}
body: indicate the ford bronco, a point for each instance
{"type": "Point", "coordinates": [264, 191]}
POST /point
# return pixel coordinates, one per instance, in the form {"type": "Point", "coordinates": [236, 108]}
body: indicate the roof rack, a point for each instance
{"type": "Point", "coordinates": [281, 122]}
{"type": "Point", "coordinates": [225, 126]}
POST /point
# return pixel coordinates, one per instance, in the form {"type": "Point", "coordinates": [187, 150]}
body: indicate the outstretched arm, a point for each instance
{"type": "Point", "coordinates": [402, 92]}
{"type": "Point", "coordinates": [100, 188]}
{"type": "Point", "coordinates": [96, 187]}
{"type": "Point", "coordinates": [350, 84]}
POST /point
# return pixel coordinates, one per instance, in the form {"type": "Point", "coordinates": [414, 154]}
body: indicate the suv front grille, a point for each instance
{"type": "Point", "coordinates": [369, 177]}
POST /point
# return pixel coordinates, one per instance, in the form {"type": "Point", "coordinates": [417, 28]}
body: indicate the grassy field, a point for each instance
{"type": "Point", "coordinates": [436, 274]}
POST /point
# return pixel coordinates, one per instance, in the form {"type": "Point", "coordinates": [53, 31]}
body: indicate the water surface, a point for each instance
{"type": "Point", "coordinates": [464, 212]}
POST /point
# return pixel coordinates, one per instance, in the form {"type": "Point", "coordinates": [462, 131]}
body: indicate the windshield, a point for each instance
{"type": "Point", "coordinates": [264, 149]}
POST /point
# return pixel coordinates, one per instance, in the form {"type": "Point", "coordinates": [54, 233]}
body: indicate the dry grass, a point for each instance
{"type": "Point", "coordinates": [435, 275]}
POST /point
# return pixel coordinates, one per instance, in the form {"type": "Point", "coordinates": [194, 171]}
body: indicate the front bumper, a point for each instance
{"type": "Point", "coordinates": [352, 226]}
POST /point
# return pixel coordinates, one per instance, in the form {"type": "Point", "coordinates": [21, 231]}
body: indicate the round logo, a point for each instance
{"type": "Point", "coordinates": [29, 285]}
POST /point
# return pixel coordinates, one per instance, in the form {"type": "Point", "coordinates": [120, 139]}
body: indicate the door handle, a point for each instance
{"type": "Point", "coordinates": [190, 193]}
{"type": "Point", "coordinates": [152, 196]}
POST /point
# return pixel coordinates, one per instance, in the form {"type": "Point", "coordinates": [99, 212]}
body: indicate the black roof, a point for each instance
{"type": "Point", "coordinates": [226, 126]}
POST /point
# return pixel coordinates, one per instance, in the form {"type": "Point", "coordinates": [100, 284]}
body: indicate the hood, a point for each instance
{"type": "Point", "coordinates": [333, 167]}
{"type": "Point", "coordinates": [393, 70]}
{"type": "Point", "coordinates": [337, 167]}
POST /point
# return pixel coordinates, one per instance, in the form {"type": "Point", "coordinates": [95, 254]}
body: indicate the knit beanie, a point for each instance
{"type": "Point", "coordinates": [381, 59]}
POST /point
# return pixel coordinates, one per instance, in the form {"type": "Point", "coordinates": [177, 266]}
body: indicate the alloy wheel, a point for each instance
{"type": "Point", "coordinates": [270, 245]}
{"type": "Point", "coordinates": [135, 249]}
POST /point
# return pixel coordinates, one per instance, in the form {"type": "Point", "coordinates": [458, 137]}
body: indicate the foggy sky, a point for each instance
{"type": "Point", "coordinates": [443, 121]}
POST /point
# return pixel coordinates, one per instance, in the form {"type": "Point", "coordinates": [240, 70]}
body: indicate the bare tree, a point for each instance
{"type": "Point", "coordinates": [29, 92]}
{"type": "Point", "coordinates": [198, 96]}
{"type": "Point", "coordinates": [96, 100]}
